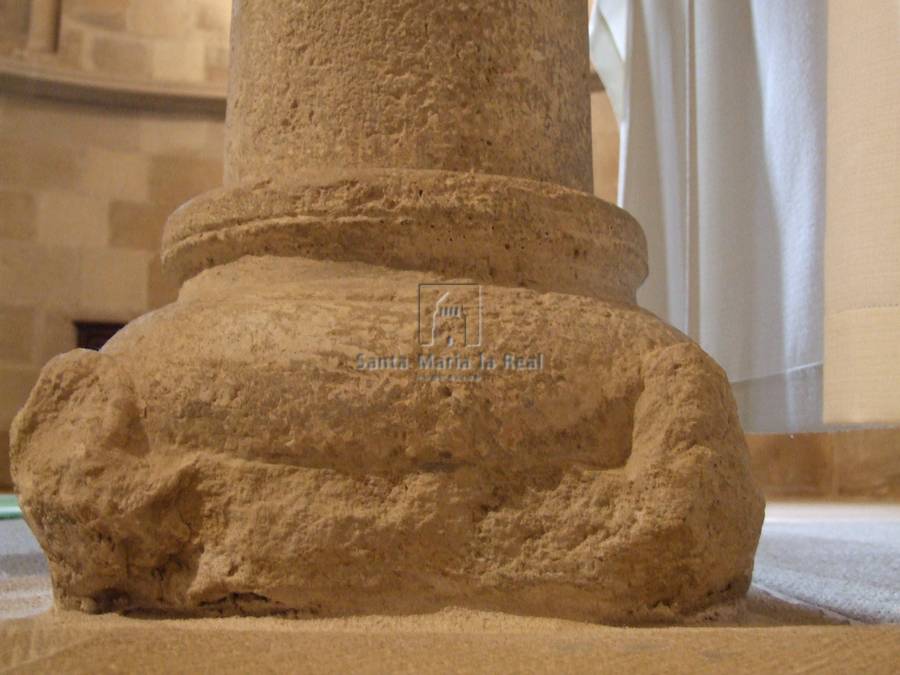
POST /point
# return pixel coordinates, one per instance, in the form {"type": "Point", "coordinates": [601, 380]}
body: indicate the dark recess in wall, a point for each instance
{"type": "Point", "coordinates": [93, 335]}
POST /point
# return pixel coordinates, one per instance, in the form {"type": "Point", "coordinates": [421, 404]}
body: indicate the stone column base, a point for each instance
{"type": "Point", "coordinates": [274, 442]}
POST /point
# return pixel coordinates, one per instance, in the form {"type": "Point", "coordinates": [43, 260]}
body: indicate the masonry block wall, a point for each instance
{"type": "Point", "coordinates": [84, 194]}
{"type": "Point", "coordinates": [13, 24]}
{"type": "Point", "coordinates": [85, 187]}
{"type": "Point", "coordinates": [159, 40]}
{"type": "Point", "coordinates": [133, 40]}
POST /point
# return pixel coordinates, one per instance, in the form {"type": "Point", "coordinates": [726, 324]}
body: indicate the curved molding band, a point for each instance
{"type": "Point", "coordinates": [494, 229]}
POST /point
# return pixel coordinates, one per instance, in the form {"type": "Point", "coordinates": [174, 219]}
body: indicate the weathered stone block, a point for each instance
{"type": "Point", "coordinates": [867, 463]}
{"type": "Point", "coordinates": [56, 334]}
{"type": "Point", "coordinates": [113, 284]}
{"type": "Point", "coordinates": [121, 57]}
{"type": "Point", "coordinates": [795, 465]}
{"type": "Point", "coordinates": [160, 19]}
{"type": "Point", "coordinates": [216, 63]}
{"type": "Point", "coordinates": [175, 178]}
{"type": "Point", "coordinates": [115, 175]}
{"type": "Point", "coordinates": [72, 219]}
{"type": "Point", "coordinates": [70, 124]}
{"type": "Point", "coordinates": [183, 138]}
{"type": "Point", "coordinates": [17, 215]}
{"type": "Point", "coordinates": [13, 20]}
{"type": "Point", "coordinates": [17, 331]}
{"type": "Point", "coordinates": [33, 165]}
{"type": "Point", "coordinates": [17, 382]}
{"type": "Point", "coordinates": [48, 276]}
{"type": "Point", "coordinates": [71, 51]}
{"type": "Point", "coordinates": [161, 287]}
{"type": "Point", "coordinates": [260, 470]}
{"type": "Point", "coordinates": [179, 61]}
{"type": "Point", "coordinates": [136, 225]}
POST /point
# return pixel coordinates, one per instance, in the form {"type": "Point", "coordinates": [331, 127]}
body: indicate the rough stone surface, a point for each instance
{"type": "Point", "coordinates": [227, 454]}
{"type": "Point", "coordinates": [492, 229]}
{"type": "Point", "coordinates": [258, 446]}
{"type": "Point", "coordinates": [493, 87]}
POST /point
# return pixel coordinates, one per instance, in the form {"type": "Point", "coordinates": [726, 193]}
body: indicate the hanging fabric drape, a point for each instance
{"type": "Point", "coordinates": [723, 163]}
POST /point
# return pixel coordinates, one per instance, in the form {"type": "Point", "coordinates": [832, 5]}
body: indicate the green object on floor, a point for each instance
{"type": "Point", "coordinates": [9, 507]}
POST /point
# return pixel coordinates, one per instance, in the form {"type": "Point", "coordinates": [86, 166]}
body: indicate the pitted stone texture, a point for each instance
{"type": "Point", "coordinates": [225, 454]}
{"type": "Point", "coordinates": [495, 87]}
{"type": "Point", "coordinates": [495, 229]}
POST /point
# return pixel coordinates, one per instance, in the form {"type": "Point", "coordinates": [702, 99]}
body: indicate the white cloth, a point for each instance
{"type": "Point", "coordinates": [723, 146]}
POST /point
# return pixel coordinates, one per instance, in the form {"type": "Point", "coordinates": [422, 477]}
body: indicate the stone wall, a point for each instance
{"type": "Point", "coordinates": [147, 40]}
{"type": "Point", "coordinates": [836, 465]}
{"type": "Point", "coordinates": [137, 42]}
{"type": "Point", "coordinates": [84, 193]}
{"type": "Point", "coordinates": [13, 23]}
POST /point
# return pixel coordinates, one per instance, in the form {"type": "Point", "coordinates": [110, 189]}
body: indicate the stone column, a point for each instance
{"type": "Point", "coordinates": [291, 437]}
{"type": "Point", "coordinates": [493, 88]}
{"type": "Point", "coordinates": [466, 118]}
{"type": "Point", "coordinates": [43, 27]}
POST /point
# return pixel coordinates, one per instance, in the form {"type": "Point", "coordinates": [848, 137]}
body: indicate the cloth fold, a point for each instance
{"type": "Point", "coordinates": [723, 163]}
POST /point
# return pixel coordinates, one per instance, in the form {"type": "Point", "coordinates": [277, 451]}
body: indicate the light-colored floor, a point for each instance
{"type": "Point", "coordinates": [843, 558]}
{"type": "Point", "coordinates": [826, 598]}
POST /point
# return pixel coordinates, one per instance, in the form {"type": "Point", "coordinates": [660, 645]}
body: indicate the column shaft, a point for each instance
{"type": "Point", "coordinates": [494, 87]}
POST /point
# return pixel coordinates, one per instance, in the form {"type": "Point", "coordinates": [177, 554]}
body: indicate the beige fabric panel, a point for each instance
{"type": "Point", "coordinates": [862, 268]}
